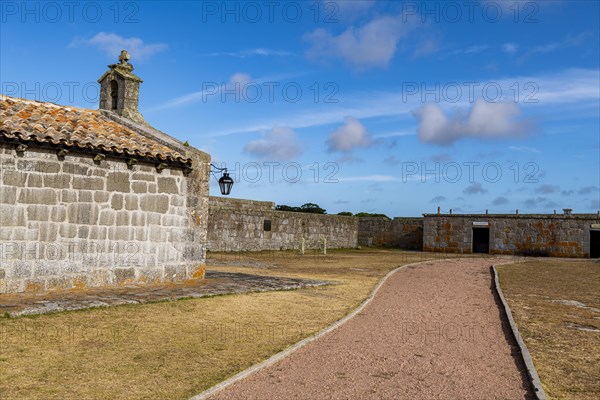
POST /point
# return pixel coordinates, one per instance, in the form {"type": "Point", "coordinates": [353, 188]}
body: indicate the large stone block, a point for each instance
{"type": "Point", "coordinates": [34, 180]}
{"type": "Point", "coordinates": [8, 194]}
{"type": "Point", "coordinates": [107, 217]}
{"type": "Point", "coordinates": [67, 231]}
{"type": "Point", "coordinates": [140, 176]}
{"type": "Point", "coordinates": [83, 213]}
{"type": "Point", "coordinates": [175, 273]}
{"type": "Point", "coordinates": [38, 213]}
{"type": "Point", "coordinates": [154, 203]}
{"type": "Point", "coordinates": [46, 167]}
{"type": "Point", "coordinates": [167, 185]}
{"type": "Point", "coordinates": [57, 181]}
{"type": "Point", "coordinates": [122, 218]}
{"type": "Point", "coordinates": [116, 201]}
{"type": "Point", "coordinates": [124, 276]}
{"type": "Point", "coordinates": [70, 168]}
{"type": "Point", "coordinates": [138, 218]}
{"type": "Point", "coordinates": [149, 274]}
{"type": "Point", "coordinates": [48, 231]}
{"type": "Point", "coordinates": [68, 196]}
{"type": "Point", "coordinates": [59, 282]}
{"type": "Point", "coordinates": [38, 196]}
{"type": "Point", "coordinates": [101, 197]}
{"type": "Point", "coordinates": [22, 269]}
{"type": "Point", "coordinates": [85, 196]}
{"type": "Point", "coordinates": [98, 233]}
{"type": "Point", "coordinates": [139, 187]}
{"type": "Point", "coordinates": [88, 183]}
{"type": "Point", "coordinates": [158, 234]}
{"type": "Point", "coordinates": [12, 216]}
{"type": "Point", "coordinates": [118, 182]}
{"type": "Point", "coordinates": [131, 202]}
{"type": "Point", "coordinates": [14, 178]}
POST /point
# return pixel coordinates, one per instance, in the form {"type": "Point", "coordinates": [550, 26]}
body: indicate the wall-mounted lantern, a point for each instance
{"type": "Point", "coordinates": [225, 182]}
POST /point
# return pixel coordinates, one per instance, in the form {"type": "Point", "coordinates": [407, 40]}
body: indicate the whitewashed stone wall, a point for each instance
{"type": "Point", "coordinates": [76, 223]}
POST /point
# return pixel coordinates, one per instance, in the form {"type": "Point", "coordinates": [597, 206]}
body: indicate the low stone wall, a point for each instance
{"type": "Point", "coordinates": [528, 234]}
{"type": "Point", "coordinates": [402, 233]}
{"type": "Point", "coordinates": [73, 222]}
{"type": "Point", "coordinates": [246, 225]}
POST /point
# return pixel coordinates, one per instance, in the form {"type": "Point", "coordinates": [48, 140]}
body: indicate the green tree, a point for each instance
{"type": "Point", "coordinates": [366, 214]}
{"type": "Point", "coordinates": [346, 213]}
{"type": "Point", "coordinates": [312, 208]}
{"type": "Point", "coordinates": [306, 208]}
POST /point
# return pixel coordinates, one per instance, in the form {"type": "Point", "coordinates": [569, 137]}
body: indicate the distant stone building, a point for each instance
{"type": "Point", "coordinates": [555, 235]}
{"type": "Point", "coordinates": [97, 197]}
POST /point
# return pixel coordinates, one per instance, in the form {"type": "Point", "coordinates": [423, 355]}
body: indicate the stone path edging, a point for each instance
{"type": "Point", "coordinates": [283, 354]}
{"type": "Point", "coordinates": [531, 371]}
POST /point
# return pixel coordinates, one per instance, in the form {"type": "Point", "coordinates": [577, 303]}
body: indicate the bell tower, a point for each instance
{"type": "Point", "coordinates": [120, 89]}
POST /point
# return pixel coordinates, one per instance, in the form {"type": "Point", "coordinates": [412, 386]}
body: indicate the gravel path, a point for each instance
{"type": "Point", "coordinates": [433, 331]}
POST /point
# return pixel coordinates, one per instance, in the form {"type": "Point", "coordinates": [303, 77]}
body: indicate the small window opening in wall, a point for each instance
{"type": "Point", "coordinates": [267, 225]}
{"type": "Point", "coordinates": [114, 95]}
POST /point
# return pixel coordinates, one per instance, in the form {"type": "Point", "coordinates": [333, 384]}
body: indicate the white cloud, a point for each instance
{"type": "Point", "coordinates": [569, 41]}
{"type": "Point", "coordinates": [371, 45]}
{"type": "Point", "coordinates": [112, 44]}
{"type": "Point", "coordinates": [349, 136]}
{"type": "Point", "coordinates": [474, 188]}
{"type": "Point", "coordinates": [345, 10]}
{"type": "Point", "coordinates": [281, 143]}
{"type": "Point", "coordinates": [370, 178]}
{"type": "Point", "coordinates": [259, 51]}
{"type": "Point", "coordinates": [546, 189]}
{"type": "Point", "coordinates": [484, 120]}
{"type": "Point", "coordinates": [587, 190]}
{"type": "Point", "coordinates": [510, 48]}
{"type": "Point", "coordinates": [524, 149]}
{"type": "Point", "coordinates": [236, 82]}
{"type": "Point", "coordinates": [438, 199]}
{"type": "Point", "coordinates": [500, 201]}
{"type": "Point", "coordinates": [539, 203]}
{"type": "Point", "coordinates": [570, 86]}
{"type": "Point", "coordinates": [471, 49]}
{"type": "Point", "coordinates": [426, 47]}
{"type": "Point", "coordinates": [240, 79]}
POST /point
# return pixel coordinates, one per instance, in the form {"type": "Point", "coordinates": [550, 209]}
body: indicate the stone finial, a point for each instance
{"type": "Point", "coordinates": [120, 88]}
{"type": "Point", "coordinates": [439, 210]}
{"type": "Point", "coordinates": [124, 57]}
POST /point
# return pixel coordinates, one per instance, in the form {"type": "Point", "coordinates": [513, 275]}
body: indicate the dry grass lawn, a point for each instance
{"type": "Point", "coordinates": [556, 304]}
{"type": "Point", "coordinates": [173, 350]}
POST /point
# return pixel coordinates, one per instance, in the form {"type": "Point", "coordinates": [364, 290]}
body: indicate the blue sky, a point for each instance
{"type": "Point", "coordinates": [388, 107]}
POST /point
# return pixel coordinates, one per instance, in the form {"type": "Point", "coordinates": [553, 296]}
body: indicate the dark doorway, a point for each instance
{"type": "Point", "coordinates": [114, 95]}
{"type": "Point", "coordinates": [481, 240]}
{"type": "Point", "coordinates": [594, 244]}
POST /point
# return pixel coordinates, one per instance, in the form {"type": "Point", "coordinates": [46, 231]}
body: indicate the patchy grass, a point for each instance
{"type": "Point", "coordinates": [556, 304]}
{"type": "Point", "coordinates": [174, 350]}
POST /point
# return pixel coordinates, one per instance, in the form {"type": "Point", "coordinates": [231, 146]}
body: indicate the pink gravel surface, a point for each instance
{"type": "Point", "coordinates": [433, 331]}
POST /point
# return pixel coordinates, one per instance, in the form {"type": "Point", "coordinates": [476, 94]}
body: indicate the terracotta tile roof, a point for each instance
{"type": "Point", "coordinates": [36, 121]}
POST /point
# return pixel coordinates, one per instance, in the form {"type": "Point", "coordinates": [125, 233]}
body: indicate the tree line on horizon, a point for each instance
{"type": "Point", "coordinates": [313, 208]}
